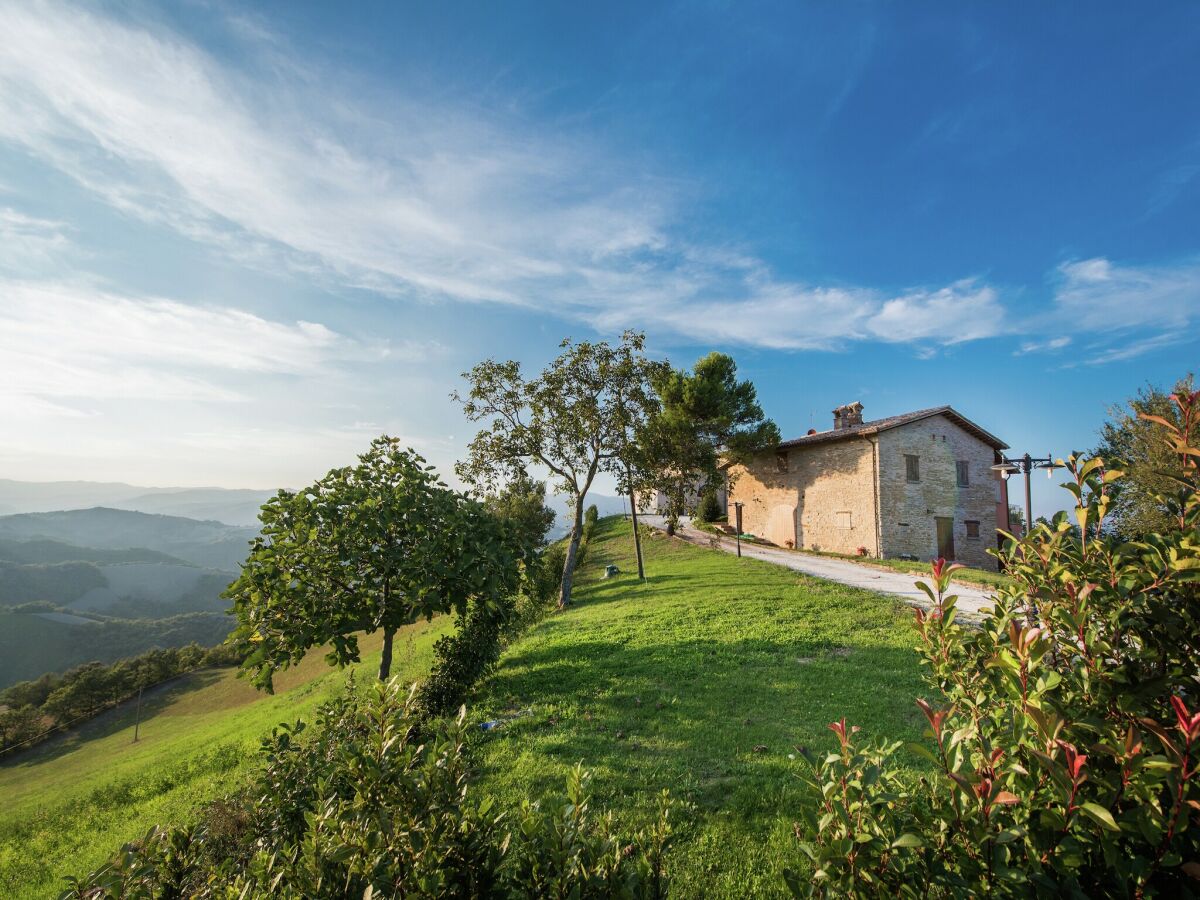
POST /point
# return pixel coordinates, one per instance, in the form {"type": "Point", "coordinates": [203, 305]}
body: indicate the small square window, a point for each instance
{"type": "Point", "coordinates": [972, 529]}
{"type": "Point", "coordinates": [842, 519]}
{"type": "Point", "coordinates": [781, 462]}
{"type": "Point", "coordinates": [912, 467]}
{"type": "Point", "coordinates": [963, 475]}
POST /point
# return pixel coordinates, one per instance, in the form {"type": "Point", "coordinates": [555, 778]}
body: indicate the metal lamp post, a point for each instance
{"type": "Point", "coordinates": [737, 518]}
{"type": "Point", "coordinates": [1026, 464]}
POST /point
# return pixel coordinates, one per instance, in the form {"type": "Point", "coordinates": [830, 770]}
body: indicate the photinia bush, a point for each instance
{"type": "Point", "coordinates": [1064, 733]}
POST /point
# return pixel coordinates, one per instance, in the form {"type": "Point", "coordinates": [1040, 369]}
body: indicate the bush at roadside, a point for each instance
{"type": "Point", "coordinates": [1064, 733]}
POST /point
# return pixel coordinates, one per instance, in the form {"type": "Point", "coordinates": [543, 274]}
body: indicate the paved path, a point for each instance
{"type": "Point", "coordinates": [971, 600]}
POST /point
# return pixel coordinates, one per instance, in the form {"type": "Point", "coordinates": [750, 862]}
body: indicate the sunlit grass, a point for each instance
{"type": "Point", "coordinates": [69, 804]}
{"type": "Point", "coordinates": [702, 680]}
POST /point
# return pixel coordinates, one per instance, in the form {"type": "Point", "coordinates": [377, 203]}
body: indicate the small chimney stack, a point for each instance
{"type": "Point", "coordinates": [852, 414]}
{"type": "Point", "coordinates": [837, 418]}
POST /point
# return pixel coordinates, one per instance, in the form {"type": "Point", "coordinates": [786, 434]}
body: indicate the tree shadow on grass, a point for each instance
{"type": "Point", "coordinates": [713, 720]}
{"type": "Point", "coordinates": [154, 701]}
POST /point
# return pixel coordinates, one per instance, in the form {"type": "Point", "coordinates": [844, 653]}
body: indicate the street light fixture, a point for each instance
{"type": "Point", "coordinates": [1026, 464]}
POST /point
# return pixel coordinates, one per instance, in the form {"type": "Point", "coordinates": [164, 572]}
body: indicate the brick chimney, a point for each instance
{"type": "Point", "coordinates": [847, 416]}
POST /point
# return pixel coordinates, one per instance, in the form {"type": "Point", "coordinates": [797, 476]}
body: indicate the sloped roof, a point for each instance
{"type": "Point", "coordinates": [878, 425]}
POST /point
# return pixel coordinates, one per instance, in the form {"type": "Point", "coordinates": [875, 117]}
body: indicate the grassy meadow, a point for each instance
{"type": "Point", "coordinates": [67, 805]}
{"type": "Point", "coordinates": [702, 680]}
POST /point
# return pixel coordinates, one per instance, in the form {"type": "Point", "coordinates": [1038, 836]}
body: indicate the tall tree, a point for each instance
{"type": "Point", "coordinates": [1134, 445]}
{"type": "Point", "coordinates": [1016, 520]}
{"type": "Point", "coordinates": [367, 548]}
{"type": "Point", "coordinates": [522, 502]}
{"type": "Point", "coordinates": [706, 419]}
{"type": "Point", "coordinates": [574, 419]}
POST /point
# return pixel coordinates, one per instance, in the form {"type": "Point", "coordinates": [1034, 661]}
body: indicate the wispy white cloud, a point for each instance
{"type": "Point", "coordinates": [964, 311]}
{"type": "Point", "coordinates": [436, 202]}
{"type": "Point", "coordinates": [28, 242]}
{"type": "Point", "coordinates": [64, 345]}
{"type": "Point", "coordinates": [1098, 295]}
{"type": "Point", "coordinates": [1135, 308]}
{"type": "Point", "coordinates": [1133, 348]}
{"type": "Point", "coordinates": [281, 168]}
{"type": "Point", "coordinates": [1045, 346]}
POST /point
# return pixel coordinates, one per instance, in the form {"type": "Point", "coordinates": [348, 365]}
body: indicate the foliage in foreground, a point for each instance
{"type": "Point", "coordinates": [358, 807]}
{"type": "Point", "coordinates": [1067, 732]}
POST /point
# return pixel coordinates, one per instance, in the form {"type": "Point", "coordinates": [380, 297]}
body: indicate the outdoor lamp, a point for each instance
{"type": "Point", "coordinates": [1005, 469]}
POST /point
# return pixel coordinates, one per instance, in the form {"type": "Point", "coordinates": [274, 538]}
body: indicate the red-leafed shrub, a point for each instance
{"type": "Point", "coordinates": [1064, 733]}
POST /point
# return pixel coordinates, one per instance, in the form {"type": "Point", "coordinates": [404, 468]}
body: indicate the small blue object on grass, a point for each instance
{"type": "Point", "coordinates": [488, 726]}
{"type": "Point", "coordinates": [610, 571]}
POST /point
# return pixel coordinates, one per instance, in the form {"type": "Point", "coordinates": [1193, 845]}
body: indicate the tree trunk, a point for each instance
{"type": "Point", "coordinates": [637, 538]}
{"type": "Point", "coordinates": [568, 576]}
{"type": "Point", "coordinates": [385, 661]}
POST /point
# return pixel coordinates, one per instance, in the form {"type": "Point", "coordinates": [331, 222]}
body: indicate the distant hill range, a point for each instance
{"type": "Point", "coordinates": [108, 582]}
{"type": "Point", "coordinates": [212, 544]}
{"type": "Point", "coordinates": [231, 506]}
{"type": "Point", "coordinates": [605, 505]}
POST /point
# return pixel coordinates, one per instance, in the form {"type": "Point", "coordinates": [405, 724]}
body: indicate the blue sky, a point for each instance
{"type": "Point", "coordinates": [237, 242]}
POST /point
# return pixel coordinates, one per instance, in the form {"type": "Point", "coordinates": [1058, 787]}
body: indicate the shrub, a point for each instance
{"type": "Point", "coordinates": [1065, 733]}
{"type": "Point", "coordinates": [467, 656]}
{"type": "Point", "coordinates": [590, 516]}
{"type": "Point", "coordinates": [462, 658]}
{"type": "Point", "coordinates": [357, 807]}
{"type": "Point", "coordinates": [710, 508]}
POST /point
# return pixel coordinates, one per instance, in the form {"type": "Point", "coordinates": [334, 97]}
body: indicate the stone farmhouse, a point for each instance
{"type": "Point", "coordinates": [916, 485]}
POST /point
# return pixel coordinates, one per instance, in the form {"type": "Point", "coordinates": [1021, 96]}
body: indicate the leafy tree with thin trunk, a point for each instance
{"type": "Point", "coordinates": [574, 419]}
{"type": "Point", "coordinates": [1130, 442]}
{"type": "Point", "coordinates": [368, 548]}
{"type": "Point", "coordinates": [522, 502]}
{"type": "Point", "coordinates": [705, 420]}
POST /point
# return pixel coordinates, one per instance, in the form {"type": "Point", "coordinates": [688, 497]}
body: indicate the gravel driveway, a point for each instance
{"type": "Point", "coordinates": [972, 600]}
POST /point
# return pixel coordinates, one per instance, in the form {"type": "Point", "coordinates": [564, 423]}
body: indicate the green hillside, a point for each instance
{"type": "Point", "coordinates": [59, 583]}
{"type": "Point", "coordinates": [69, 803]}
{"type": "Point", "coordinates": [33, 643]}
{"type": "Point", "coordinates": [702, 680]}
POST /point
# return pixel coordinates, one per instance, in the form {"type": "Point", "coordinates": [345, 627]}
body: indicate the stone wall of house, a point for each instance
{"type": "Point", "coordinates": [908, 511]}
{"type": "Point", "coordinates": [821, 498]}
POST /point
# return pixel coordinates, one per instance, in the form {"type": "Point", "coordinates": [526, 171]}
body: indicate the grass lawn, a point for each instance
{"type": "Point", "coordinates": [70, 803]}
{"type": "Point", "coordinates": [701, 680]}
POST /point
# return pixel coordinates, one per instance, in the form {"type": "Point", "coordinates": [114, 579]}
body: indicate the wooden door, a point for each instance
{"type": "Point", "coordinates": [945, 537]}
